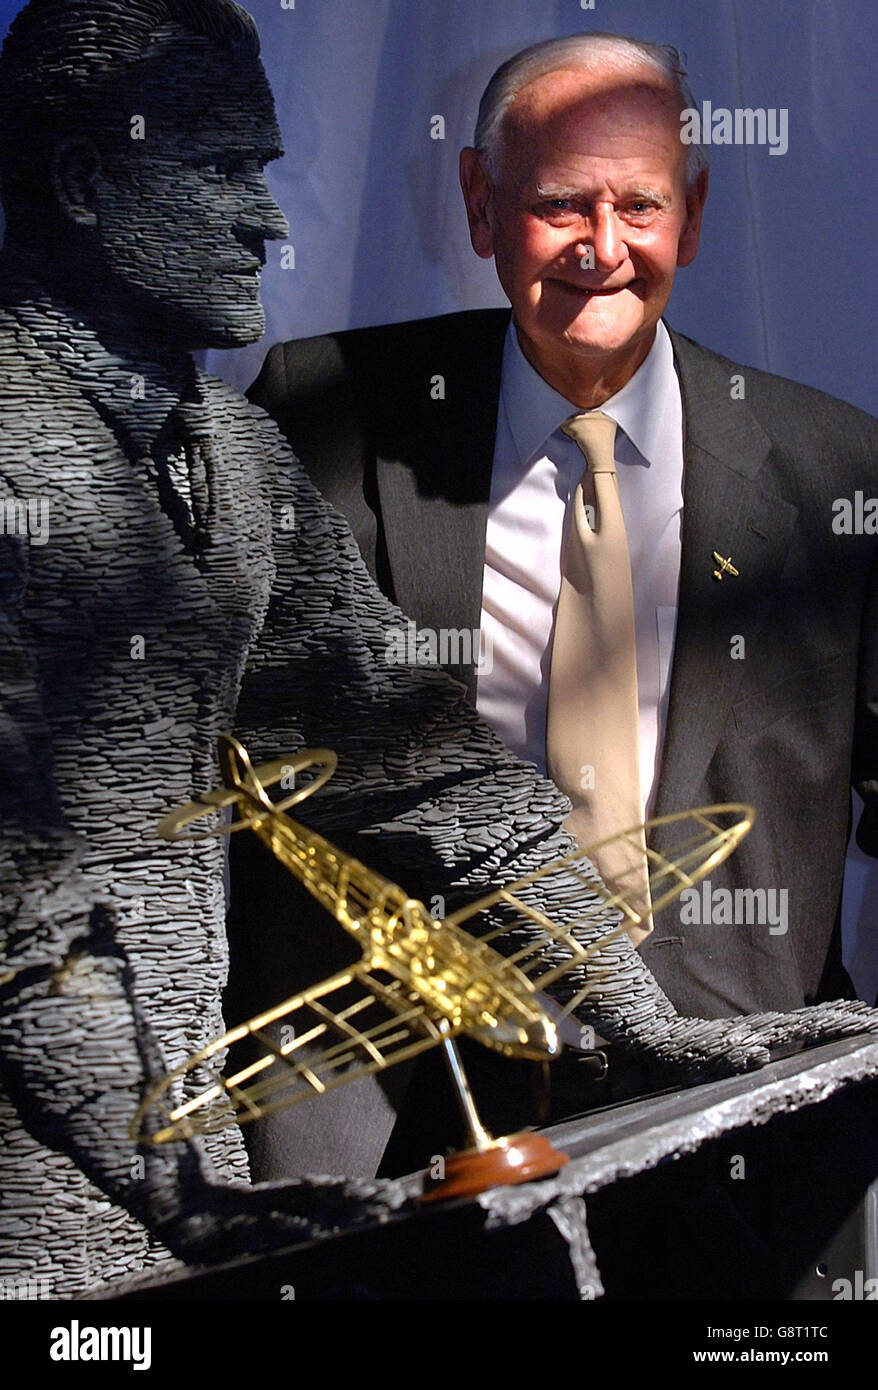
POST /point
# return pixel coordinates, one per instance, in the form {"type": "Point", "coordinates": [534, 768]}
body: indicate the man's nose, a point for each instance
{"type": "Point", "coordinates": [606, 239]}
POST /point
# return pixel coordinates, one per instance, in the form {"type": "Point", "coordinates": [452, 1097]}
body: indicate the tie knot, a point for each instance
{"type": "Point", "coordinates": [595, 435]}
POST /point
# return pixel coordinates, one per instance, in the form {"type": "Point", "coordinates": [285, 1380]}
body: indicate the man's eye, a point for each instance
{"type": "Point", "coordinates": [556, 208]}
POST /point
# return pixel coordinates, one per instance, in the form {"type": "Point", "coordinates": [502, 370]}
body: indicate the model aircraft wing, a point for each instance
{"type": "Point", "coordinates": [359, 1021]}
{"type": "Point", "coordinates": [556, 918]}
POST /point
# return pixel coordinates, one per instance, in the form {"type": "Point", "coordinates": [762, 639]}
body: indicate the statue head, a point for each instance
{"type": "Point", "coordinates": [133, 138]}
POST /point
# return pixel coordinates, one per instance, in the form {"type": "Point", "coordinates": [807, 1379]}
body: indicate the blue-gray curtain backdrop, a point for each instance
{"type": "Point", "coordinates": [785, 276]}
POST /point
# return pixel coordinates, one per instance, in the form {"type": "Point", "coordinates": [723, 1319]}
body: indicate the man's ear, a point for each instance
{"type": "Point", "coordinates": [75, 168]}
{"type": "Point", "coordinates": [476, 184]}
{"type": "Point", "coordinates": [696, 196]}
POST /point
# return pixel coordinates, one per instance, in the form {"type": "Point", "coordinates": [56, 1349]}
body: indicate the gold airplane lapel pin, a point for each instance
{"type": "Point", "coordinates": [725, 566]}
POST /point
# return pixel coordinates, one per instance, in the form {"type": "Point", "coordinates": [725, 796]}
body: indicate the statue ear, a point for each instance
{"type": "Point", "coordinates": [76, 166]}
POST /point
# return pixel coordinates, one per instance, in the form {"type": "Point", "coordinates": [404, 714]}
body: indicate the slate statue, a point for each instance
{"type": "Point", "coordinates": [167, 572]}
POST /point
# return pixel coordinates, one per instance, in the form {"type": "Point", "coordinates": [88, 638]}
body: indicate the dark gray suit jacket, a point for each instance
{"type": "Point", "coordinates": [789, 727]}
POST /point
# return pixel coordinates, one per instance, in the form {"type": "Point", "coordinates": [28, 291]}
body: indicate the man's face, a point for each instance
{"type": "Point", "coordinates": [589, 164]}
{"type": "Point", "coordinates": [183, 214]}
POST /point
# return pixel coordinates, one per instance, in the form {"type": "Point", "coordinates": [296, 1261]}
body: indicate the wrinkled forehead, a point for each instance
{"type": "Point", "coordinates": [593, 113]}
{"type": "Point", "coordinates": [196, 96]}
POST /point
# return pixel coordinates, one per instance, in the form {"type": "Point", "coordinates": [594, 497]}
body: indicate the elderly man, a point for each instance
{"type": "Point", "coordinates": [645, 532]}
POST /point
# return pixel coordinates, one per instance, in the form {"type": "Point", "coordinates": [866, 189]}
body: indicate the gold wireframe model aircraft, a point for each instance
{"type": "Point", "coordinates": [420, 982]}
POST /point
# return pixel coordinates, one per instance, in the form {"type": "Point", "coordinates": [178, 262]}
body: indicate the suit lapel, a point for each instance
{"type": "Point", "coordinates": [725, 509]}
{"type": "Point", "coordinates": [436, 484]}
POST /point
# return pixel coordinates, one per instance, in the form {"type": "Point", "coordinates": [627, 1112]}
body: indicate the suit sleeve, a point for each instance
{"type": "Point", "coordinates": [302, 384]}
{"type": "Point", "coordinates": [865, 755]}
{"type": "Point", "coordinates": [269, 388]}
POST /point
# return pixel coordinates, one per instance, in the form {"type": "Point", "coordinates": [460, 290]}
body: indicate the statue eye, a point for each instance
{"type": "Point", "coordinates": [229, 168]}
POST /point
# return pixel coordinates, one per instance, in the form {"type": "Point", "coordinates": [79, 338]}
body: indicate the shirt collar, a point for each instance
{"type": "Point", "coordinates": [642, 408]}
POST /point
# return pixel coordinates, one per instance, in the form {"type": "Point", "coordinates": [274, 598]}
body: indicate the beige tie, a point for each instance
{"type": "Point", "coordinates": [592, 736]}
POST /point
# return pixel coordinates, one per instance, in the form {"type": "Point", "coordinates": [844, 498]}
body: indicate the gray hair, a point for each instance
{"type": "Point", "coordinates": [587, 51]}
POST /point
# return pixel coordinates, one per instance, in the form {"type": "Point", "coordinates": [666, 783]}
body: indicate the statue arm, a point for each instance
{"type": "Point", "coordinates": [76, 1052]}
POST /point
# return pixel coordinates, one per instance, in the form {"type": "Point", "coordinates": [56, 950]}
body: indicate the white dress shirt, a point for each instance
{"type": "Point", "coordinates": [536, 470]}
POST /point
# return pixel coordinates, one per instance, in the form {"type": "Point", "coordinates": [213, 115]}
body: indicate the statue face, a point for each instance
{"type": "Point", "coordinates": [182, 207]}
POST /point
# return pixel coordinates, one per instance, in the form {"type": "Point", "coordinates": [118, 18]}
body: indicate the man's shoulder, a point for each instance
{"type": "Point", "coordinates": [382, 354]}
{"type": "Point", "coordinates": [466, 326]}
{"type": "Point", "coordinates": [783, 407]}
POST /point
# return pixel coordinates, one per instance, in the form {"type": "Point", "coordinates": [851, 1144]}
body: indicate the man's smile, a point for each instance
{"type": "Point", "coordinates": [587, 292]}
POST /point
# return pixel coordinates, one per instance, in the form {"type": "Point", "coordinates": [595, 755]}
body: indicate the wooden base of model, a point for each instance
{"type": "Point", "coordinates": [516, 1158]}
